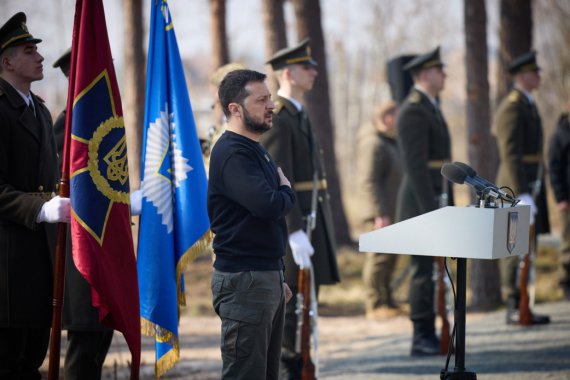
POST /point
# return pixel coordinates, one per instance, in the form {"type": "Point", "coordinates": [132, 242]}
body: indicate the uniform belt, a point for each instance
{"type": "Point", "coordinates": [43, 195]}
{"type": "Point", "coordinates": [308, 185]}
{"type": "Point", "coordinates": [531, 158]}
{"type": "Point", "coordinates": [437, 164]}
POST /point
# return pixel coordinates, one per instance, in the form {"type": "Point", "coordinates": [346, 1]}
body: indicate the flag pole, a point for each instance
{"type": "Point", "coordinates": [58, 284]}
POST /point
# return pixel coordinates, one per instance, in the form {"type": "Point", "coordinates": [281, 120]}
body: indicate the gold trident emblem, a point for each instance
{"type": "Point", "coordinates": [116, 159]}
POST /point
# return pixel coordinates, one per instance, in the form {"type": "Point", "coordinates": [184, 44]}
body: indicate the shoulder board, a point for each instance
{"type": "Point", "coordinates": [40, 98]}
{"type": "Point", "coordinates": [278, 107]}
{"type": "Point", "coordinates": [514, 96]}
{"type": "Point", "coordinates": [1, 92]}
{"type": "Point", "coordinates": [415, 97]}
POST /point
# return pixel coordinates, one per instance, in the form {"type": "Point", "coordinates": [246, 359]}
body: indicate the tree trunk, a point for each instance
{"type": "Point", "coordinates": [515, 36]}
{"type": "Point", "coordinates": [133, 95]}
{"type": "Point", "coordinates": [275, 34]}
{"type": "Point", "coordinates": [482, 151]}
{"type": "Point", "coordinates": [220, 52]}
{"type": "Point", "coordinates": [308, 18]}
{"type": "Point", "coordinates": [220, 57]}
{"type": "Point", "coordinates": [134, 87]}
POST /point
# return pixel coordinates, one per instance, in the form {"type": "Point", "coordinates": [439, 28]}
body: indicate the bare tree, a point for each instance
{"type": "Point", "coordinates": [485, 276]}
{"type": "Point", "coordinates": [308, 18]}
{"type": "Point", "coordinates": [134, 86]}
{"type": "Point", "coordinates": [220, 52]}
{"type": "Point", "coordinates": [134, 91]}
{"type": "Point", "coordinates": [275, 33]}
{"type": "Point", "coordinates": [515, 38]}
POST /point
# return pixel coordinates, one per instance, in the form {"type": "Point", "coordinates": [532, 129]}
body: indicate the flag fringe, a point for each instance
{"type": "Point", "coordinates": [197, 249]}
{"type": "Point", "coordinates": [162, 335]}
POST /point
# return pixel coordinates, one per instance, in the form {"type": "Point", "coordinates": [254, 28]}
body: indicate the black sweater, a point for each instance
{"type": "Point", "coordinates": [247, 206]}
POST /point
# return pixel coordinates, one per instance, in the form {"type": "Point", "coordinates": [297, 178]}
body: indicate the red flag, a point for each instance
{"type": "Point", "coordinates": [95, 156]}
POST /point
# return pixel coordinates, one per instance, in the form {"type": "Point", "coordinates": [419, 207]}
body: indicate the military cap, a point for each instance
{"type": "Point", "coordinates": [300, 53]}
{"type": "Point", "coordinates": [63, 62]}
{"type": "Point", "coordinates": [424, 61]}
{"type": "Point", "coordinates": [524, 62]}
{"type": "Point", "coordinates": [14, 32]}
{"type": "Point", "coordinates": [221, 72]}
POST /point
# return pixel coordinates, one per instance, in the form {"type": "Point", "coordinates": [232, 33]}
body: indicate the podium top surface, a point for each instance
{"type": "Point", "coordinates": [467, 232]}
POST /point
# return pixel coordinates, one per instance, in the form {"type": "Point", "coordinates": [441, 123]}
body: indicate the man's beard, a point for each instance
{"type": "Point", "coordinates": [254, 126]}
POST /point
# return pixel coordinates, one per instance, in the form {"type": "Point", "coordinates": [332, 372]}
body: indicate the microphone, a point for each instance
{"type": "Point", "coordinates": [472, 176]}
{"type": "Point", "coordinates": [456, 174]}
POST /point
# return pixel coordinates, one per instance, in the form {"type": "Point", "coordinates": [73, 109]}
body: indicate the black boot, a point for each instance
{"type": "Point", "coordinates": [513, 314]}
{"type": "Point", "coordinates": [425, 342]}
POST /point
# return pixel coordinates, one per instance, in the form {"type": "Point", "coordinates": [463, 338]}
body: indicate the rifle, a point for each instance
{"type": "Point", "coordinates": [525, 317]}
{"type": "Point", "coordinates": [303, 342]}
{"type": "Point", "coordinates": [526, 272]}
{"type": "Point", "coordinates": [306, 307]}
{"type": "Point", "coordinates": [441, 307]}
{"type": "Point", "coordinates": [441, 285]}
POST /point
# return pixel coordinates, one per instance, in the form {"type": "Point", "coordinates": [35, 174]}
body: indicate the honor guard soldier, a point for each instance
{"type": "Point", "coordinates": [426, 146]}
{"type": "Point", "coordinates": [29, 208]}
{"type": "Point", "coordinates": [295, 148]}
{"type": "Point", "coordinates": [87, 340]}
{"type": "Point", "coordinates": [520, 137]}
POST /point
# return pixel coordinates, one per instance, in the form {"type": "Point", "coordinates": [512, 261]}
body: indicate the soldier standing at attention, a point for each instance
{"type": "Point", "coordinates": [380, 173]}
{"type": "Point", "coordinates": [28, 210]}
{"type": "Point", "coordinates": [426, 146]}
{"type": "Point", "coordinates": [295, 148]}
{"type": "Point", "coordinates": [519, 136]}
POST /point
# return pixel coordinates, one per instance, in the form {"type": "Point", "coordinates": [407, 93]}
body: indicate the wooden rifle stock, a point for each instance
{"type": "Point", "coordinates": [304, 284]}
{"type": "Point", "coordinates": [441, 306]}
{"type": "Point", "coordinates": [525, 317]}
{"type": "Point", "coordinates": [58, 286]}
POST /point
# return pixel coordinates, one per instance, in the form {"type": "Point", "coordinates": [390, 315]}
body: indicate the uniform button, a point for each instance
{"type": "Point", "coordinates": [57, 186]}
{"type": "Point", "coordinates": [40, 188]}
{"type": "Point", "coordinates": [320, 198]}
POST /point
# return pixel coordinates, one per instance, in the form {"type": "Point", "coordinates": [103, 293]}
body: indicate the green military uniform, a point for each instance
{"type": "Point", "coordinates": [295, 148]}
{"type": "Point", "coordinates": [426, 146]}
{"type": "Point", "coordinates": [28, 175]}
{"type": "Point", "coordinates": [379, 175]}
{"type": "Point", "coordinates": [520, 140]}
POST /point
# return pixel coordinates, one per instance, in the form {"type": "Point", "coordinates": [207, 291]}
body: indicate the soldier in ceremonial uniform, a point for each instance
{"type": "Point", "coordinates": [294, 146]}
{"type": "Point", "coordinates": [520, 138]}
{"type": "Point", "coordinates": [426, 146]}
{"type": "Point", "coordinates": [87, 340]}
{"type": "Point", "coordinates": [28, 208]}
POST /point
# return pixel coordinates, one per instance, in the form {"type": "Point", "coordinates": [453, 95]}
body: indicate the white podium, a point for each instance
{"type": "Point", "coordinates": [462, 233]}
{"type": "Point", "coordinates": [467, 232]}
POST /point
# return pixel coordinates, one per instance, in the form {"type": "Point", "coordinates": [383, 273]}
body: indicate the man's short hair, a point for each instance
{"type": "Point", "coordinates": [8, 52]}
{"type": "Point", "coordinates": [232, 89]}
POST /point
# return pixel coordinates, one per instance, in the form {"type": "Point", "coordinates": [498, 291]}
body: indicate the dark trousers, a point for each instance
{"type": "Point", "coordinates": [422, 288]}
{"type": "Point", "coordinates": [86, 352]}
{"type": "Point", "coordinates": [22, 352]}
{"type": "Point", "coordinates": [377, 275]}
{"type": "Point", "coordinates": [251, 306]}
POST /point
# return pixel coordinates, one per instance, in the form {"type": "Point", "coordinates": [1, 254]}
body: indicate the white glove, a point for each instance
{"type": "Point", "coordinates": [56, 210]}
{"type": "Point", "coordinates": [526, 199]}
{"type": "Point", "coordinates": [301, 248]}
{"type": "Point", "coordinates": [136, 202]}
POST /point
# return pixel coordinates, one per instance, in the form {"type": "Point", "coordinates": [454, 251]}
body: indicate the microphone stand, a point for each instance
{"type": "Point", "coordinates": [459, 372]}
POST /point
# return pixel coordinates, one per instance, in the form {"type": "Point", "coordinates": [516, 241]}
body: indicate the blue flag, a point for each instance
{"type": "Point", "coordinates": [174, 224]}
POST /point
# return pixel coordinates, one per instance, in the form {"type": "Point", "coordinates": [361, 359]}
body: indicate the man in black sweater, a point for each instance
{"type": "Point", "coordinates": [248, 199]}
